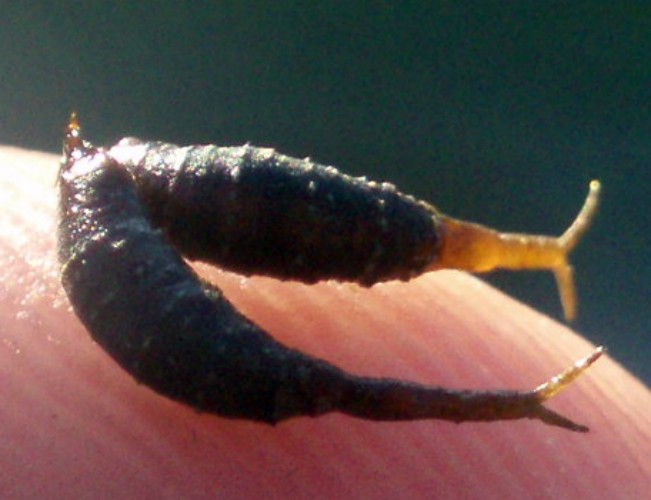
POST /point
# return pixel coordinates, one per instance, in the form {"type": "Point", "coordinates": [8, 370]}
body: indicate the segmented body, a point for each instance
{"type": "Point", "coordinates": [256, 211]}
{"type": "Point", "coordinates": [166, 327]}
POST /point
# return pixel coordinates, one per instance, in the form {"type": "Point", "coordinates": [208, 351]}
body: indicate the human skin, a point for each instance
{"type": "Point", "coordinates": [73, 423]}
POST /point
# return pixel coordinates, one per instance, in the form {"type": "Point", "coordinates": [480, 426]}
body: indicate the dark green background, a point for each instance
{"type": "Point", "coordinates": [500, 112]}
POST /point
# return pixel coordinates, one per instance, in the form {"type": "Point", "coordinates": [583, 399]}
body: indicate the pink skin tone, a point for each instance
{"type": "Point", "coordinates": [72, 423]}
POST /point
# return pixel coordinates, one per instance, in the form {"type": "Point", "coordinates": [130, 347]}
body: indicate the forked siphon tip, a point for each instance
{"type": "Point", "coordinates": [564, 273]}
{"type": "Point", "coordinates": [473, 247]}
{"type": "Point", "coordinates": [561, 381]}
{"type": "Point", "coordinates": [575, 232]}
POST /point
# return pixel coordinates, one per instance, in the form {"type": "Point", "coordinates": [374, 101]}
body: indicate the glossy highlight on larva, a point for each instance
{"type": "Point", "coordinates": [130, 214]}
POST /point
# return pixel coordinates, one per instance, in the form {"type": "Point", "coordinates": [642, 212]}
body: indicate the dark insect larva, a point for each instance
{"type": "Point", "coordinates": [256, 211]}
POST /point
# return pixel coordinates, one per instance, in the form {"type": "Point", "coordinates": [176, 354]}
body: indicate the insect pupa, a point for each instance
{"type": "Point", "coordinates": [129, 214]}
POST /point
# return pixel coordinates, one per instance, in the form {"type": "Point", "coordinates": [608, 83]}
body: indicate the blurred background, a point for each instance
{"type": "Point", "coordinates": [498, 112]}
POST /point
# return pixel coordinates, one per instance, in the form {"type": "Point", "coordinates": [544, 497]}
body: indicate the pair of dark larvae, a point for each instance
{"type": "Point", "coordinates": [129, 213]}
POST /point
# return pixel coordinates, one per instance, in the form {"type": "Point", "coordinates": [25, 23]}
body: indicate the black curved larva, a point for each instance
{"type": "Point", "coordinates": [120, 209]}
